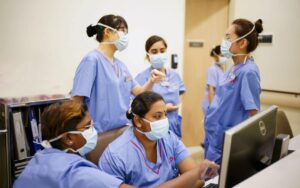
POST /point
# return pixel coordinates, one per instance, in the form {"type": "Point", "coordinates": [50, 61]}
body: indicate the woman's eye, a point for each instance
{"type": "Point", "coordinates": [157, 117]}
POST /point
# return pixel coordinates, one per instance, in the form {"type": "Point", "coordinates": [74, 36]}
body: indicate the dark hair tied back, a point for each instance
{"type": "Point", "coordinates": [129, 114]}
{"type": "Point", "coordinates": [258, 26]}
{"type": "Point", "coordinates": [91, 30]}
{"type": "Point", "coordinates": [142, 103]}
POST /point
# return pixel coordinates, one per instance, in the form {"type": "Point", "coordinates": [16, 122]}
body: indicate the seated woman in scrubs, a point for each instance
{"type": "Point", "coordinates": [104, 82]}
{"type": "Point", "coordinates": [69, 134]}
{"type": "Point", "coordinates": [172, 88]}
{"type": "Point", "coordinates": [237, 97]}
{"type": "Point", "coordinates": [148, 154]}
{"type": "Point", "coordinates": [213, 79]}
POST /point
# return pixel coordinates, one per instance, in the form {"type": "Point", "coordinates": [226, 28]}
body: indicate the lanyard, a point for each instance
{"type": "Point", "coordinates": [145, 158]}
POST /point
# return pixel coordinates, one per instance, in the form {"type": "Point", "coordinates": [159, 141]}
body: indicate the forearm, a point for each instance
{"type": "Point", "coordinates": [211, 94]}
{"type": "Point", "coordinates": [189, 179]}
{"type": "Point", "coordinates": [148, 85]}
{"type": "Point", "coordinates": [252, 112]}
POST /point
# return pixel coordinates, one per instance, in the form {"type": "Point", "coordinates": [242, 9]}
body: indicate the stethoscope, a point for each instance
{"type": "Point", "coordinates": [232, 74]}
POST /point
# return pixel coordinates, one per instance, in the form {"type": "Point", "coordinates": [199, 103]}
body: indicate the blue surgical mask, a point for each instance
{"type": "Point", "coordinates": [121, 43]}
{"type": "Point", "coordinates": [226, 44]}
{"type": "Point", "coordinates": [158, 61]}
{"type": "Point", "coordinates": [90, 135]}
{"type": "Point", "coordinates": [159, 129]}
{"type": "Point", "coordinates": [222, 61]}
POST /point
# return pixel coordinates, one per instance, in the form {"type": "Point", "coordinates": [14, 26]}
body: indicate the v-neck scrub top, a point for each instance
{"type": "Point", "coordinates": [125, 158]}
{"type": "Point", "coordinates": [106, 87]}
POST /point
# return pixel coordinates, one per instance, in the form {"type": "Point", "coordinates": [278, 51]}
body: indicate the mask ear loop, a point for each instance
{"type": "Point", "coordinates": [106, 26]}
{"type": "Point", "coordinates": [253, 28]}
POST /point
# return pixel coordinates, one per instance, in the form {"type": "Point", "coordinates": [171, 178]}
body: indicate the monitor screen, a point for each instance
{"type": "Point", "coordinates": [248, 147]}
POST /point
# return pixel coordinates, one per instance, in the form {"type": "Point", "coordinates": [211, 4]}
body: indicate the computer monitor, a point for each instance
{"type": "Point", "coordinates": [248, 147]}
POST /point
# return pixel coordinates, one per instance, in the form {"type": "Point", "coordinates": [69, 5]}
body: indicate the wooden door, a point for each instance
{"type": "Point", "coordinates": [206, 21]}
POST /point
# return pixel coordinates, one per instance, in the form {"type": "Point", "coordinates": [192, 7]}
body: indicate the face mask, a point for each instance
{"type": "Point", "coordinates": [159, 129]}
{"type": "Point", "coordinates": [90, 135]}
{"type": "Point", "coordinates": [121, 43]}
{"type": "Point", "coordinates": [226, 44]}
{"type": "Point", "coordinates": [222, 61]}
{"type": "Point", "coordinates": [158, 60]}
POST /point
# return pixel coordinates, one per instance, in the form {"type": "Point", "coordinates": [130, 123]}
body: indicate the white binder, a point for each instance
{"type": "Point", "coordinates": [20, 136]}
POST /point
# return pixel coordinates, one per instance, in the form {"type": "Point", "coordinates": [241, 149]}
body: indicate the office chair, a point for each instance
{"type": "Point", "coordinates": [283, 125]}
{"type": "Point", "coordinates": [103, 140]}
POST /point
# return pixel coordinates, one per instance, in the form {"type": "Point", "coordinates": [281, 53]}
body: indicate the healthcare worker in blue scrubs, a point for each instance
{"type": "Point", "coordinates": [172, 88]}
{"type": "Point", "coordinates": [69, 135]}
{"type": "Point", "coordinates": [102, 81]}
{"type": "Point", "coordinates": [213, 78]}
{"type": "Point", "coordinates": [237, 97]}
{"type": "Point", "coordinates": [148, 154]}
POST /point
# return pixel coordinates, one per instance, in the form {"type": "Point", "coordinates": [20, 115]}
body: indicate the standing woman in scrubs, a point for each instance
{"type": "Point", "coordinates": [214, 76]}
{"type": "Point", "coordinates": [237, 97]}
{"type": "Point", "coordinates": [172, 88]}
{"type": "Point", "coordinates": [148, 154]}
{"type": "Point", "coordinates": [102, 81]}
{"type": "Point", "coordinates": [69, 134]}
{"type": "Point", "coordinates": [213, 79]}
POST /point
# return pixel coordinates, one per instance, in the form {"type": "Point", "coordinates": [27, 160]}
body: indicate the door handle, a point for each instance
{"type": "Point", "coordinates": [3, 131]}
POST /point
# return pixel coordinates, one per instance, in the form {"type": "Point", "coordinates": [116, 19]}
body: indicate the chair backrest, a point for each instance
{"type": "Point", "coordinates": [283, 125]}
{"type": "Point", "coordinates": [103, 140]}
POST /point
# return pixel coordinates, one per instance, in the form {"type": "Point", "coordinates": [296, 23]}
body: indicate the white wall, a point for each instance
{"type": "Point", "coordinates": [279, 62]}
{"type": "Point", "coordinates": [43, 41]}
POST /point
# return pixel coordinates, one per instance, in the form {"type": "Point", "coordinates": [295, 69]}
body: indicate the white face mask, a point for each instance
{"type": "Point", "coordinates": [90, 135]}
{"type": "Point", "coordinates": [226, 44]}
{"type": "Point", "coordinates": [159, 129]}
{"type": "Point", "coordinates": [158, 60]}
{"type": "Point", "coordinates": [120, 43]}
{"type": "Point", "coordinates": [222, 61]}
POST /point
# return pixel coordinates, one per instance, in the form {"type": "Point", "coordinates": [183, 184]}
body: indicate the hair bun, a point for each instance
{"type": "Point", "coordinates": [129, 114]}
{"type": "Point", "coordinates": [258, 26]}
{"type": "Point", "coordinates": [91, 30]}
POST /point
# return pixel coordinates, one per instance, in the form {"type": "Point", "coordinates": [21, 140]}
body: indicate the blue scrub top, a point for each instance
{"type": "Point", "coordinates": [55, 168]}
{"type": "Point", "coordinates": [238, 94]}
{"type": "Point", "coordinates": [213, 78]}
{"type": "Point", "coordinates": [171, 89]}
{"type": "Point", "coordinates": [125, 158]}
{"type": "Point", "coordinates": [106, 87]}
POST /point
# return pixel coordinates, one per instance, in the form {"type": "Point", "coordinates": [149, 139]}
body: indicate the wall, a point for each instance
{"type": "Point", "coordinates": [278, 62]}
{"type": "Point", "coordinates": [42, 42]}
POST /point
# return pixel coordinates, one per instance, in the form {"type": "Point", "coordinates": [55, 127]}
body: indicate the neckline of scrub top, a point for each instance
{"type": "Point", "coordinates": [146, 160]}
{"type": "Point", "coordinates": [233, 70]}
{"type": "Point", "coordinates": [113, 63]}
{"type": "Point", "coordinates": [216, 65]}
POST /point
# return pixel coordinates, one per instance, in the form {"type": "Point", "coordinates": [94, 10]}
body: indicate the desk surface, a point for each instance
{"type": "Point", "coordinates": [283, 173]}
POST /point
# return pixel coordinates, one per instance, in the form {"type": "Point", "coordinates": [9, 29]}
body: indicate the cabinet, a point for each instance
{"type": "Point", "coordinates": [16, 116]}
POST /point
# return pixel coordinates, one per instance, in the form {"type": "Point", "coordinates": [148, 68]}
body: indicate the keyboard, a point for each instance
{"type": "Point", "coordinates": [211, 185]}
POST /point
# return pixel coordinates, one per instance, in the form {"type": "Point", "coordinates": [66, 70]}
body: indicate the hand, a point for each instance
{"type": "Point", "coordinates": [208, 170]}
{"type": "Point", "coordinates": [171, 107]}
{"type": "Point", "coordinates": [157, 76]}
